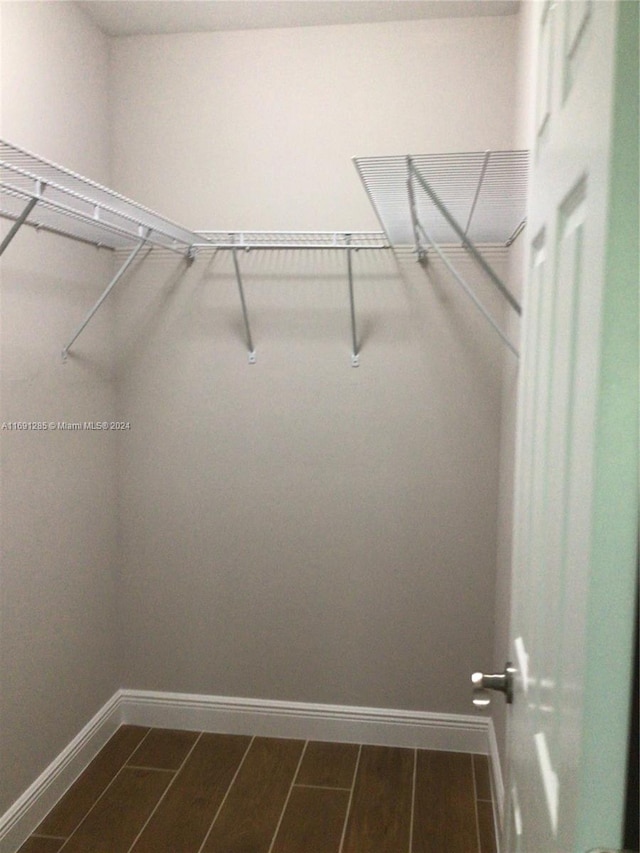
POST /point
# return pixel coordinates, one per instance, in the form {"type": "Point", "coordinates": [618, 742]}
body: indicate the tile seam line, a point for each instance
{"type": "Point", "coordinates": [161, 769]}
{"type": "Point", "coordinates": [226, 794]}
{"type": "Point", "coordinates": [349, 804]}
{"type": "Point", "coordinates": [475, 803]}
{"type": "Point", "coordinates": [166, 791]}
{"type": "Point", "coordinates": [288, 797]}
{"type": "Point", "coordinates": [413, 798]}
{"type": "Point", "coordinates": [321, 787]}
{"type": "Point", "coordinates": [97, 800]}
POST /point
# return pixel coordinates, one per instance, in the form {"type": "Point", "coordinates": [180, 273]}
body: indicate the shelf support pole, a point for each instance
{"type": "Point", "coordinates": [106, 292]}
{"type": "Point", "coordinates": [485, 163]}
{"type": "Point", "coordinates": [518, 230]}
{"type": "Point", "coordinates": [468, 290]}
{"type": "Point", "coordinates": [245, 315]}
{"type": "Point", "coordinates": [419, 250]}
{"type": "Point", "coordinates": [466, 242]}
{"type": "Point", "coordinates": [355, 355]}
{"type": "Point", "coordinates": [18, 223]}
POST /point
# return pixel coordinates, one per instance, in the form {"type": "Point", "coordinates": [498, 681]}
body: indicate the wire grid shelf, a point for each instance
{"type": "Point", "coordinates": [69, 204]}
{"type": "Point", "coordinates": [484, 191]}
{"type": "Point", "coordinates": [248, 240]}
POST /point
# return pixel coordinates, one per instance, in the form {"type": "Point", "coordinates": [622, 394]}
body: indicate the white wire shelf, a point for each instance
{"type": "Point", "coordinates": [484, 191]}
{"type": "Point", "coordinates": [435, 202]}
{"type": "Point", "coordinates": [59, 200]}
{"type": "Point", "coordinates": [420, 202]}
{"type": "Point", "coordinates": [248, 240]}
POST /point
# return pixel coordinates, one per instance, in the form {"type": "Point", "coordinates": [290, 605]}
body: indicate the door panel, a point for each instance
{"type": "Point", "coordinates": [573, 582]}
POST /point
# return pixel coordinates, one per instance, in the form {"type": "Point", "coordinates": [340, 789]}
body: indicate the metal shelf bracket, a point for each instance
{"type": "Point", "coordinates": [245, 315]}
{"type": "Point", "coordinates": [466, 242]}
{"type": "Point", "coordinates": [518, 230]}
{"type": "Point", "coordinates": [19, 222]}
{"type": "Point", "coordinates": [415, 222]}
{"type": "Point", "coordinates": [105, 293]}
{"type": "Point", "coordinates": [468, 290]}
{"type": "Point", "coordinates": [485, 163]}
{"type": "Point", "coordinates": [355, 355]}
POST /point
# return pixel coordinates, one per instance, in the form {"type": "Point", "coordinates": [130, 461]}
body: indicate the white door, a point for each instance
{"type": "Point", "coordinates": [576, 510]}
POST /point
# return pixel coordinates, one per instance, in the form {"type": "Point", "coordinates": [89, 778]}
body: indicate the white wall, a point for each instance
{"type": "Point", "coordinates": [299, 529]}
{"type": "Point", "coordinates": [58, 622]}
{"type": "Point", "coordinates": [256, 129]}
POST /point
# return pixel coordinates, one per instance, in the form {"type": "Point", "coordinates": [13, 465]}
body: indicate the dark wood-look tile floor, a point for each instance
{"type": "Point", "coordinates": [165, 791]}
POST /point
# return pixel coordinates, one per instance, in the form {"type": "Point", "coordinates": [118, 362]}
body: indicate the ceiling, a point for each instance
{"type": "Point", "coordinates": [138, 17]}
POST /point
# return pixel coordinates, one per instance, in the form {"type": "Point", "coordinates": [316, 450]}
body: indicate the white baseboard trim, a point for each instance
{"type": "Point", "coordinates": [271, 718]}
{"type": "Point", "coordinates": [309, 721]}
{"type": "Point", "coordinates": [19, 821]}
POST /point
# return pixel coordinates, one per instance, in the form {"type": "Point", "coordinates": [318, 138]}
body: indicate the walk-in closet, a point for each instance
{"type": "Point", "coordinates": [261, 292]}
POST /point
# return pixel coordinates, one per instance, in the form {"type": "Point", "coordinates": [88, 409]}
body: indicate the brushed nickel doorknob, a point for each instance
{"type": "Point", "coordinates": [482, 683]}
